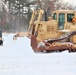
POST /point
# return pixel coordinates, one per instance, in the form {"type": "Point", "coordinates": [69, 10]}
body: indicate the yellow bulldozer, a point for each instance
{"type": "Point", "coordinates": [57, 34]}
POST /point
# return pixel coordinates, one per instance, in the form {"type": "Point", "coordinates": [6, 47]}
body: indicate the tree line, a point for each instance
{"type": "Point", "coordinates": [15, 14]}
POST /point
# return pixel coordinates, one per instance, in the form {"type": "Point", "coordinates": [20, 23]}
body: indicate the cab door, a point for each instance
{"type": "Point", "coordinates": [61, 21]}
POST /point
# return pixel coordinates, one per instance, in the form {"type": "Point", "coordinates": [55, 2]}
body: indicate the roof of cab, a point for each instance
{"type": "Point", "coordinates": [64, 11]}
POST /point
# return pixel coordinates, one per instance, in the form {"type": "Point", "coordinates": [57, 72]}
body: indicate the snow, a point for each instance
{"type": "Point", "coordinates": [18, 58]}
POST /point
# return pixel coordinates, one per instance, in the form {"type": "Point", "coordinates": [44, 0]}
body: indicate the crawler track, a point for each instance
{"type": "Point", "coordinates": [54, 45]}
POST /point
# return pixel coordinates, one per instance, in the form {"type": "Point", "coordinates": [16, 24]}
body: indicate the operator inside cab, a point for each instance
{"type": "Point", "coordinates": [74, 19]}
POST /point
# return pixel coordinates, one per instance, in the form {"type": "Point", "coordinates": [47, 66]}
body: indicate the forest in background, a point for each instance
{"type": "Point", "coordinates": [15, 14]}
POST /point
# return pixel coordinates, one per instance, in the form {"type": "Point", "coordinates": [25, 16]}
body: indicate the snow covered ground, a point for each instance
{"type": "Point", "coordinates": [17, 58]}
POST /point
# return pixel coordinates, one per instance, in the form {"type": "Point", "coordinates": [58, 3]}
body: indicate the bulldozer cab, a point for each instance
{"type": "Point", "coordinates": [61, 20]}
{"type": "Point", "coordinates": [64, 17]}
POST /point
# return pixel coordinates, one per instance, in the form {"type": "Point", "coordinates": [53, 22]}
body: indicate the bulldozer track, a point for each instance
{"type": "Point", "coordinates": [62, 38]}
{"type": "Point", "coordinates": [61, 44]}
{"type": "Point", "coordinates": [55, 45]}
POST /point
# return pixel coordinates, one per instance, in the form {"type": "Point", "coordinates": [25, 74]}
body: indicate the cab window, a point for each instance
{"type": "Point", "coordinates": [69, 17]}
{"type": "Point", "coordinates": [55, 16]}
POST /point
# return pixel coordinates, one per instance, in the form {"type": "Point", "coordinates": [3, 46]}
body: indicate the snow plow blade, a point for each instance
{"type": "Point", "coordinates": [54, 47]}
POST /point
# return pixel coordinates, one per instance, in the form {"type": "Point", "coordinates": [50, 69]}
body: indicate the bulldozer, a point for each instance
{"type": "Point", "coordinates": [56, 34]}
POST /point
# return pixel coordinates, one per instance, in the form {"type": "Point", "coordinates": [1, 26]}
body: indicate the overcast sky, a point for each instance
{"type": "Point", "coordinates": [71, 1]}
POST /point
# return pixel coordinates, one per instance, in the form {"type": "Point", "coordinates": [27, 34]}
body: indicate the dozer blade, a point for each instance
{"type": "Point", "coordinates": [56, 47]}
{"type": "Point", "coordinates": [34, 43]}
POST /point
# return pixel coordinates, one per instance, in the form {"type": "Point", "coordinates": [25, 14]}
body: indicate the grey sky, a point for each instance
{"type": "Point", "coordinates": [73, 2]}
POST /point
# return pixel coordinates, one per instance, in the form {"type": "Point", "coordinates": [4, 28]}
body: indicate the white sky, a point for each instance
{"type": "Point", "coordinates": [71, 1]}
